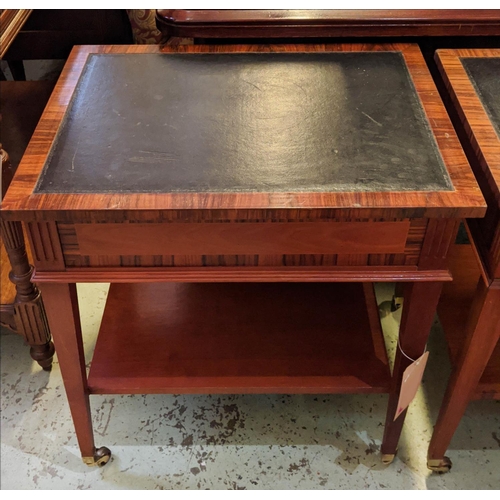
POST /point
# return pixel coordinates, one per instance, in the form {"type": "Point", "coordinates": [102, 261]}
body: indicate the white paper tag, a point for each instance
{"type": "Point", "coordinates": [412, 377]}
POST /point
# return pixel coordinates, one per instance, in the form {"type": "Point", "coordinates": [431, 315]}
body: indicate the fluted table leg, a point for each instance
{"type": "Point", "coordinates": [29, 312]}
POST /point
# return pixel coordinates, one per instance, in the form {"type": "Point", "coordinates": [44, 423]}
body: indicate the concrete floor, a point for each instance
{"type": "Point", "coordinates": [233, 441]}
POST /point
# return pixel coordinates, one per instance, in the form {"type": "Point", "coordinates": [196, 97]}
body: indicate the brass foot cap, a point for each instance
{"type": "Point", "coordinates": [100, 459]}
{"type": "Point", "coordinates": [388, 458]}
{"type": "Point", "coordinates": [440, 465]}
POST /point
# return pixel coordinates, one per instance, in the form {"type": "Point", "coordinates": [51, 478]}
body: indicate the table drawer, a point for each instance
{"type": "Point", "coordinates": [242, 238]}
{"type": "Point", "coordinates": [307, 243]}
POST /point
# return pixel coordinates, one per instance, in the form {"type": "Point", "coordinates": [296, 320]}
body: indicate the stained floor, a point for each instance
{"type": "Point", "coordinates": [233, 441]}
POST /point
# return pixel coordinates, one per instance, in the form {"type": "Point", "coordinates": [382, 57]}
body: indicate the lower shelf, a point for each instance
{"type": "Point", "coordinates": [240, 338]}
{"type": "Point", "coordinates": [453, 311]}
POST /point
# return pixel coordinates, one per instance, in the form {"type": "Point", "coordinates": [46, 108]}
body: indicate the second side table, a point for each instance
{"type": "Point", "coordinates": [470, 306]}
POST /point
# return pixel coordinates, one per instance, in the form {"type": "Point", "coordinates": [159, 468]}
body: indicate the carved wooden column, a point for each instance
{"type": "Point", "coordinates": [29, 313]}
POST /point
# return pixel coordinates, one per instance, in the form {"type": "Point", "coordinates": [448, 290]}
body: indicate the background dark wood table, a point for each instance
{"type": "Point", "coordinates": [470, 306]}
{"type": "Point", "coordinates": [213, 183]}
{"type": "Point", "coordinates": [311, 23]}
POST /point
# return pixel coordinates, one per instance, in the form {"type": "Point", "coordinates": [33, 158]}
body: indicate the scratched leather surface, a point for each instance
{"type": "Point", "coordinates": [484, 73]}
{"type": "Point", "coordinates": [244, 122]}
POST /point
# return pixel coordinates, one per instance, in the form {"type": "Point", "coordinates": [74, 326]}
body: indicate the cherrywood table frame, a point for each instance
{"type": "Point", "coordinates": [53, 222]}
{"type": "Point", "coordinates": [482, 145]}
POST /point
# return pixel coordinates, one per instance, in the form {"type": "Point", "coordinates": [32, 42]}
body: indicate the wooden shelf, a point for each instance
{"type": "Point", "coordinates": [240, 338]}
{"type": "Point", "coordinates": [453, 312]}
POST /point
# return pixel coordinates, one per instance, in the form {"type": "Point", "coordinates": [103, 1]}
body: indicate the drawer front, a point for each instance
{"type": "Point", "coordinates": [242, 238]}
{"type": "Point", "coordinates": [359, 243]}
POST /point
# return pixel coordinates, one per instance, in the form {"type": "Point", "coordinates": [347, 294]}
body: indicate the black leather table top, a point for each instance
{"type": "Point", "coordinates": [484, 73]}
{"type": "Point", "coordinates": [287, 122]}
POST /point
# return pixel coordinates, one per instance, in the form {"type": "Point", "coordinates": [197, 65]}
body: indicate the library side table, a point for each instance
{"type": "Point", "coordinates": [241, 201]}
{"type": "Point", "coordinates": [469, 309]}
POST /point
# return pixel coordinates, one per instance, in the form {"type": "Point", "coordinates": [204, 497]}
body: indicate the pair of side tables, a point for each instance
{"type": "Point", "coordinates": [242, 201]}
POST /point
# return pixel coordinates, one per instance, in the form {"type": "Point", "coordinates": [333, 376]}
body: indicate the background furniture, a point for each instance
{"type": "Point", "coordinates": [143, 22]}
{"type": "Point", "coordinates": [470, 306]}
{"type": "Point", "coordinates": [38, 34]}
{"type": "Point", "coordinates": [431, 29]}
{"type": "Point", "coordinates": [52, 33]}
{"type": "Point", "coordinates": [11, 21]}
{"type": "Point", "coordinates": [240, 24]}
{"type": "Point", "coordinates": [21, 307]}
